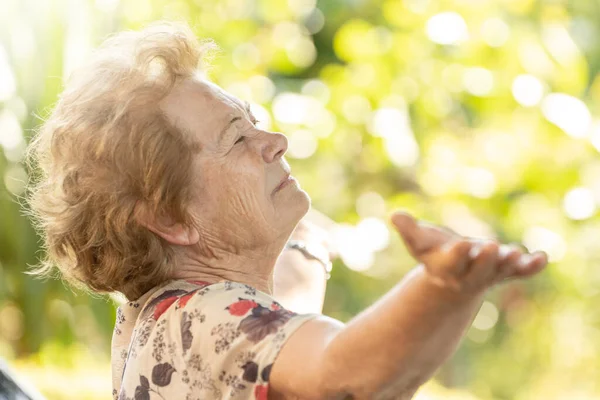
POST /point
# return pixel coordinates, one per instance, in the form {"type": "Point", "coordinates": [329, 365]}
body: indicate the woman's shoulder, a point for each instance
{"type": "Point", "coordinates": [230, 297]}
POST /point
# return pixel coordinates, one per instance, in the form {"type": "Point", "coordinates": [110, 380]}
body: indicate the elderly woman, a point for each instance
{"type": "Point", "coordinates": [158, 184]}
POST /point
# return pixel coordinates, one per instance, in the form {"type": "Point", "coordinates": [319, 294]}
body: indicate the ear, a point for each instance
{"type": "Point", "coordinates": [174, 233]}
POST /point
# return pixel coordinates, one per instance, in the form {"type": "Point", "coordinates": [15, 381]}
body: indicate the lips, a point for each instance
{"type": "Point", "coordinates": [283, 181]}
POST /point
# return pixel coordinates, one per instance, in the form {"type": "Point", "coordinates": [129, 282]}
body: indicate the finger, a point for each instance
{"type": "Point", "coordinates": [508, 251]}
{"type": "Point", "coordinates": [531, 264]}
{"type": "Point", "coordinates": [407, 227]}
{"type": "Point", "coordinates": [507, 265]}
{"type": "Point", "coordinates": [527, 265]}
{"type": "Point", "coordinates": [482, 269]}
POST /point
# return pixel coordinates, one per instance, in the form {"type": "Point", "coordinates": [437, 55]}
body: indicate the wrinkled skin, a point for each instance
{"type": "Point", "coordinates": [244, 224]}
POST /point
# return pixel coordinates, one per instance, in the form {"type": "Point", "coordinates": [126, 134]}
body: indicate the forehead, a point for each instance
{"type": "Point", "coordinates": [201, 108]}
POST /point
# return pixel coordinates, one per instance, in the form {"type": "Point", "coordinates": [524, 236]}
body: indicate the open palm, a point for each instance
{"type": "Point", "coordinates": [461, 263]}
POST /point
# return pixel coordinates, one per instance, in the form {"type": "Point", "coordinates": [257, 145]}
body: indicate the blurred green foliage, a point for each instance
{"type": "Point", "coordinates": [480, 115]}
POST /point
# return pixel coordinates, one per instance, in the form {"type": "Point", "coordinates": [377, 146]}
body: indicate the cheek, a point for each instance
{"type": "Point", "coordinates": [239, 187]}
{"type": "Point", "coordinates": [245, 197]}
{"type": "Point", "coordinates": [235, 205]}
{"type": "Point", "coordinates": [244, 174]}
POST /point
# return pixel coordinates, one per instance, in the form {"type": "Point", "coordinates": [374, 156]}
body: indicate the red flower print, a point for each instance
{"type": "Point", "coordinates": [241, 307]}
{"type": "Point", "coordinates": [184, 299]}
{"type": "Point", "coordinates": [263, 322]}
{"type": "Point", "coordinates": [163, 306]}
{"type": "Point", "coordinates": [167, 294]}
{"type": "Point", "coordinates": [261, 391]}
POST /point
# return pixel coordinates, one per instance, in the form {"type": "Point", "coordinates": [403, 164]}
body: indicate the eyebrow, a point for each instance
{"type": "Point", "coordinates": [247, 107]}
{"type": "Point", "coordinates": [227, 127]}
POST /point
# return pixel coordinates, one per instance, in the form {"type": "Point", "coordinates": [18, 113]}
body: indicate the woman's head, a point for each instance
{"type": "Point", "coordinates": [237, 169]}
{"type": "Point", "coordinates": [132, 166]}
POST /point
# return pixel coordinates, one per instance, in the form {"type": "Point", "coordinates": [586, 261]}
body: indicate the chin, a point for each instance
{"type": "Point", "coordinates": [304, 203]}
{"type": "Point", "coordinates": [308, 203]}
{"type": "Point", "coordinates": [294, 209]}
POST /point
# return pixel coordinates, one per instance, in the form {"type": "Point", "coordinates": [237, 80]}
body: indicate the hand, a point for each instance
{"type": "Point", "coordinates": [315, 228]}
{"type": "Point", "coordinates": [464, 264]}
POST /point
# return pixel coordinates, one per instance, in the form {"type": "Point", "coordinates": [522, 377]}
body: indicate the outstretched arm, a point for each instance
{"type": "Point", "coordinates": [396, 345]}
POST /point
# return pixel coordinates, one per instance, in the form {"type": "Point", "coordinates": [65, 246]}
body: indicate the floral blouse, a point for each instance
{"type": "Point", "coordinates": [194, 340]}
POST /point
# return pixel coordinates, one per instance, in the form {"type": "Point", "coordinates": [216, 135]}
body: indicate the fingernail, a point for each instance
{"type": "Point", "coordinates": [474, 252]}
{"type": "Point", "coordinates": [503, 251]}
{"type": "Point", "coordinates": [524, 260]}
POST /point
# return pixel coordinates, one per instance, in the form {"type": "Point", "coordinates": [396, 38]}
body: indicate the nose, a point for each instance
{"type": "Point", "coordinates": [275, 147]}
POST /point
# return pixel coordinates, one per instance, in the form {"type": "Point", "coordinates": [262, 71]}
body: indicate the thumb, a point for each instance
{"type": "Point", "coordinates": [407, 227]}
{"type": "Point", "coordinates": [420, 237]}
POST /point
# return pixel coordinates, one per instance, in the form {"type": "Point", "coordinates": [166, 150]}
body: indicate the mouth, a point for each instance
{"type": "Point", "coordinates": [287, 179]}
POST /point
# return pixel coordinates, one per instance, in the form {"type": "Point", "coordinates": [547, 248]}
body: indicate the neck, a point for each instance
{"type": "Point", "coordinates": [252, 267]}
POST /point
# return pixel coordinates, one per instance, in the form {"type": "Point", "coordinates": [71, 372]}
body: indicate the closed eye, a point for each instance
{"type": "Point", "coordinates": [241, 139]}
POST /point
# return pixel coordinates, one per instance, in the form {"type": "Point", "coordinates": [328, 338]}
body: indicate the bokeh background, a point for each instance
{"type": "Point", "coordinates": [481, 115]}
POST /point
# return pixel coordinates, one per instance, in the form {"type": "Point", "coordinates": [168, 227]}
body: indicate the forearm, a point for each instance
{"type": "Point", "coordinates": [399, 342]}
{"type": "Point", "coordinates": [299, 283]}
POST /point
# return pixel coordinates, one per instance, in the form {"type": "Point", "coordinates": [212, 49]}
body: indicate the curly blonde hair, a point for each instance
{"type": "Point", "coordinates": [106, 147]}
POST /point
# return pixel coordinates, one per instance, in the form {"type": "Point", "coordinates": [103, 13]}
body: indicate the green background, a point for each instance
{"type": "Point", "coordinates": [475, 114]}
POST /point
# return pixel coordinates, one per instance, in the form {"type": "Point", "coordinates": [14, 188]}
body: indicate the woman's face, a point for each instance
{"type": "Point", "coordinates": [238, 168]}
